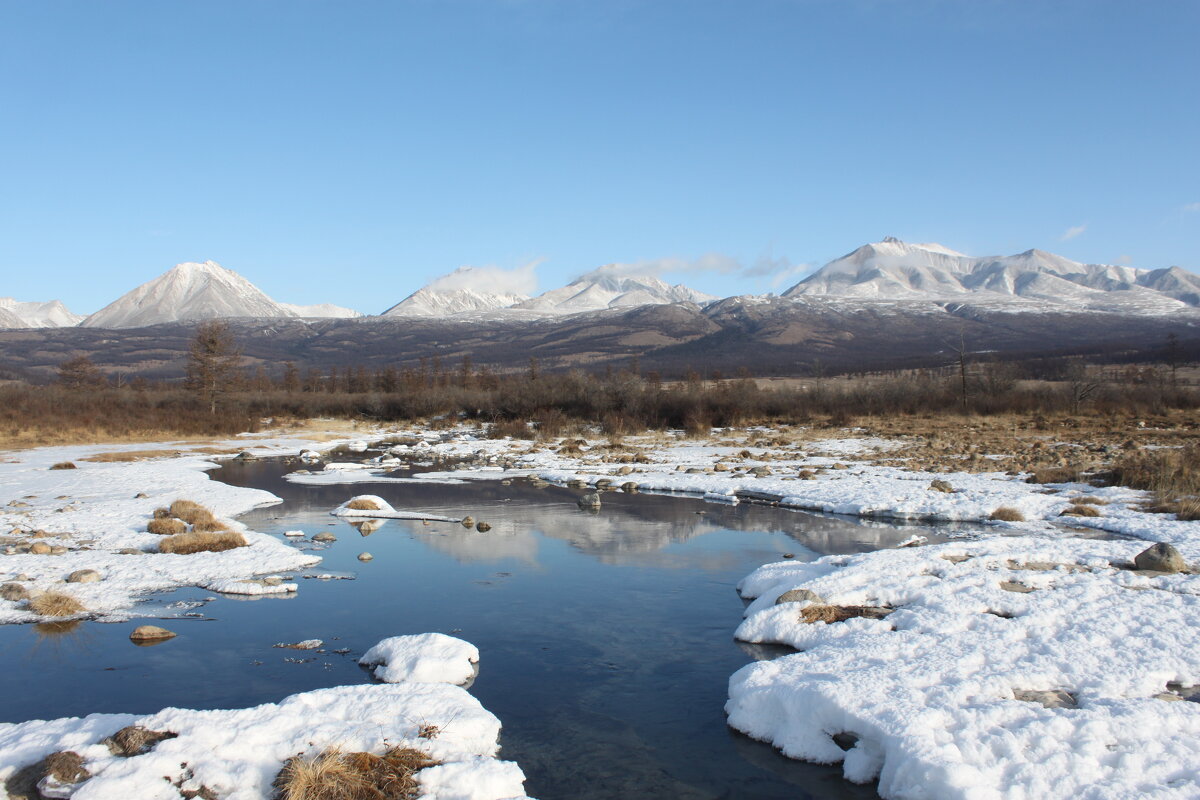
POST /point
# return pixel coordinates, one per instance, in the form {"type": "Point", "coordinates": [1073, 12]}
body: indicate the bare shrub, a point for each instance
{"type": "Point", "coordinates": [1054, 475]}
{"type": "Point", "coordinates": [510, 428]}
{"type": "Point", "coordinates": [166, 526]}
{"type": "Point", "coordinates": [55, 604]}
{"type": "Point", "coordinates": [335, 775]}
{"type": "Point", "coordinates": [1007, 514]}
{"type": "Point", "coordinates": [363, 504]}
{"type": "Point", "coordinates": [204, 542]}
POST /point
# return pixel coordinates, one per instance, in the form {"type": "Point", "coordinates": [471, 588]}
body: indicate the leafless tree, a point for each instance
{"type": "Point", "coordinates": [213, 361]}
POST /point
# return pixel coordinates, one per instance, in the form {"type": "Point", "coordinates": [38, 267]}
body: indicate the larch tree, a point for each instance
{"type": "Point", "coordinates": [213, 361]}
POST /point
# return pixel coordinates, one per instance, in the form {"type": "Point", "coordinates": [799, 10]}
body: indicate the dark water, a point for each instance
{"type": "Point", "coordinates": [606, 639]}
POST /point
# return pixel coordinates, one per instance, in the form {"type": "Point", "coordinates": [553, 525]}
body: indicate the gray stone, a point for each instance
{"type": "Point", "coordinates": [84, 576]}
{"type": "Point", "coordinates": [468, 521]}
{"type": "Point", "coordinates": [324, 536]}
{"type": "Point", "coordinates": [629, 487]}
{"type": "Point", "coordinates": [14, 592]}
{"type": "Point", "coordinates": [1160, 557]}
{"type": "Point", "coordinates": [482, 526]}
{"type": "Point", "coordinates": [941, 486]}
{"type": "Point", "coordinates": [365, 556]}
{"type": "Point", "coordinates": [590, 500]}
{"type": "Point", "coordinates": [799, 596]}
{"type": "Point", "coordinates": [40, 549]}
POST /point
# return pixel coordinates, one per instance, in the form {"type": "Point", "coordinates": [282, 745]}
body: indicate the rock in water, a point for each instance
{"type": "Point", "coordinates": [324, 536]}
{"type": "Point", "coordinates": [148, 633]}
{"type": "Point", "coordinates": [1160, 557]}
{"type": "Point", "coordinates": [590, 500]}
{"type": "Point", "coordinates": [365, 556]}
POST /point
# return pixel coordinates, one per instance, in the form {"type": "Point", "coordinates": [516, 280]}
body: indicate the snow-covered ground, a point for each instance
{"type": "Point", "coordinates": [942, 693]}
{"type": "Point", "coordinates": [95, 512]}
{"type": "Point", "coordinates": [236, 754]}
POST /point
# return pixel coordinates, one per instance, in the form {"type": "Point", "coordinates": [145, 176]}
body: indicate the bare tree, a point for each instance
{"type": "Point", "coordinates": [79, 373]}
{"type": "Point", "coordinates": [1080, 384]}
{"type": "Point", "coordinates": [213, 361]}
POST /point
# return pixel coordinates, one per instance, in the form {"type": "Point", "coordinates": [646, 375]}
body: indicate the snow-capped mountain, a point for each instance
{"type": "Point", "coordinates": [322, 311]}
{"type": "Point", "coordinates": [433, 302]}
{"type": "Point", "coordinates": [52, 314]}
{"type": "Point", "coordinates": [194, 291]}
{"type": "Point", "coordinates": [899, 271]}
{"type": "Point", "coordinates": [607, 288]}
{"type": "Point", "coordinates": [188, 291]}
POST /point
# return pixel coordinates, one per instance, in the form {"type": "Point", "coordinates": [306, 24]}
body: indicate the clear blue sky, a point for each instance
{"type": "Point", "coordinates": [349, 152]}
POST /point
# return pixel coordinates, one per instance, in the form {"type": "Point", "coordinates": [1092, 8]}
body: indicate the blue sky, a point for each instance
{"type": "Point", "coordinates": [351, 152]}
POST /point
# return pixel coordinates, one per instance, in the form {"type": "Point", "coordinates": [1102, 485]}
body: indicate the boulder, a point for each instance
{"type": "Point", "coordinates": [324, 536]}
{"type": "Point", "coordinates": [84, 576]}
{"type": "Point", "coordinates": [1160, 557]}
{"type": "Point", "coordinates": [799, 596]}
{"type": "Point", "coordinates": [590, 500]}
{"type": "Point", "coordinates": [145, 633]}
{"type": "Point", "coordinates": [941, 486]}
{"type": "Point", "coordinates": [365, 556]}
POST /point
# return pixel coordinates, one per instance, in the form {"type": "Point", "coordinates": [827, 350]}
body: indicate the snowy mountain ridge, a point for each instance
{"type": "Point", "coordinates": [899, 271]}
{"type": "Point", "coordinates": [51, 314]}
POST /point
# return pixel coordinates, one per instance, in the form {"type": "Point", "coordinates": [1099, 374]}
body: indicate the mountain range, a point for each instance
{"type": "Point", "coordinates": [889, 276]}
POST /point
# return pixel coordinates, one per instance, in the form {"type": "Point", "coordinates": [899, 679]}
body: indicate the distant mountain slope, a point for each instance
{"type": "Point", "coordinates": [52, 314]}
{"type": "Point", "coordinates": [188, 291]}
{"type": "Point", "coordinates": [898, 271]}
{"type": "Point", "coordinates": [605, 288]}
{"type": "Point", "coordinates": [322, 311]}
{"type": "Point", "coordinates": [432, 302]}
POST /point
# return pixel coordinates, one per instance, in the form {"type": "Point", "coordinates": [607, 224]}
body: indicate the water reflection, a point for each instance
{"type": "Point", "coordinates": [607, 638]}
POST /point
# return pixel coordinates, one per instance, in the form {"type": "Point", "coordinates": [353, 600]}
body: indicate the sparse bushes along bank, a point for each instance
{"type": "Point", "coordinates": [1173, 475]}
{"type": "Point", "coordinates": [525, 405]}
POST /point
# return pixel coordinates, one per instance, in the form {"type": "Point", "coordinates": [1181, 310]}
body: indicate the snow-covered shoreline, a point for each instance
{"type": "Point", "coordinates": [95, 517]}
{"type": "Point", "coordinates": [236, 754]}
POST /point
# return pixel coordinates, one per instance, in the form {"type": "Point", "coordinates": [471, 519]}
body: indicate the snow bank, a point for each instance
{"type": "Point", "coordinates": [930, 690]}
{"type": "Point", "coordinates": [98, 513]}
{"type": "Point", "coordinates": [238, 753]}
{"type": "Point", "coordinates": [423, 658]}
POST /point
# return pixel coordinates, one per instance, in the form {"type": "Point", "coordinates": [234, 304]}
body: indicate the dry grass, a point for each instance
{"type": "Point", "coordinates": [362, 504]}
{"type": "Point", "coordinates": [63, 465]}
{"type": "Point", "coordinates": [831, 614]}
{"type": "Point", "coordinates": [133, 740]}
{"type": "Point", "coordinates": [205, 542]}
{"type": "Point", "coordinates": [1173, 475]}
{"type": "Point", "coordinates": [166, 526]}
{"type": "Point", "coordinates": [55, 604]}
{"type": "Point", "coordinates": [1054, 475]}
{"type": "Point", "coordinates": [121, 456]}
{"type": "Point", "coordinates": [1007, 514]}
{"type": "Point", "coordinates": [335, 775]}
{"type": "Point", "coordinates": [1080, 511]}
{"type": "Point", "coordinates": [1088, 500]}
{"type": "Point", "coordinates": [190, 511]}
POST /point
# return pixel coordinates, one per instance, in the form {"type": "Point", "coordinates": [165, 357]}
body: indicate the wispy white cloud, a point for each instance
{"type": "Point", "coordinates": [1072, 232]}
{"type": "Point", "coordinates": [492, 279]}
{"type": "Point", "coordinates": [709, 262]}
{"type": "Point", "coordinates": [1191, 208]}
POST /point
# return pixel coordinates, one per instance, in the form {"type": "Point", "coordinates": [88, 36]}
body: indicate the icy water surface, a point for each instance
{"type": "Point", "coordinates": [606, 639]}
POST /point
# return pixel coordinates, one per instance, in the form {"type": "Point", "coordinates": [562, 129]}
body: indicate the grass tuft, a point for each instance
{"type": "Point", "coordinates": [1080, 511]}
{"type": "Point", "coordinates": [55, 604]}
{"type": "Point", "coordinates": [203, 542]}
{"type": "Point", "coordinates": [363, 504]}
{"type": "Point", "coordinates": [335, 775]}
{"type": "Point", "coordinates": [831, 614]}
{"type": "Point", "coordinates": [1007, 514]}
{"type": "Point", "coordinates": [166, 526]}
{"type": "Point", "coordinates": [63, 465]}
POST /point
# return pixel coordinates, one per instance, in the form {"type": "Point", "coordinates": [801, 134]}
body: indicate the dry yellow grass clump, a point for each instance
{"type": "Point", "coordinates": [1007, 514]}
{"type": "Point", "coordinates": [363, 504]}
{"type": "Point", "coordinates": [831, 614]}
{"type": "Point", "coordinates": [55, 604]}
{"type": "Point", "coordinates": [1081, 511]}
{"type": "Point", "coordinates": [334, 775]}
{"type": "Point", "coordinates": [201, 542]}
{"type": "Point", "coordinates": [166, 526]}
{"type": "Point", "coordinates": [63, 465]}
